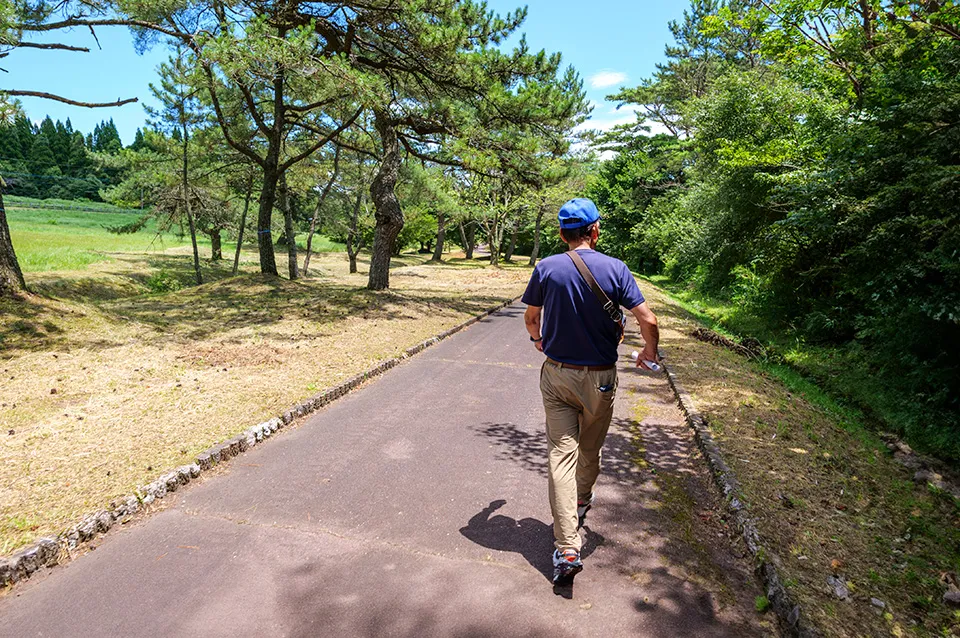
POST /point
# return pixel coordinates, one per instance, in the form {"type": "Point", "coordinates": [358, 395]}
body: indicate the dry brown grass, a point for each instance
{"type": "Point", "coordinates": [825, 493]}
{"type": "Point", "coordinates": [101, 392]}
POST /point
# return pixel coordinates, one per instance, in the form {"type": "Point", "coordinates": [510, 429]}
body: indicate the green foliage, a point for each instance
{"type": "Point", "coordinates": [54, 161]}
{"type": "Point", "coordinates": [810, 180]}
{"type": "Point", "coordinates": [163, 282]}
{"type": "Point", "coordinates": [761, 604]}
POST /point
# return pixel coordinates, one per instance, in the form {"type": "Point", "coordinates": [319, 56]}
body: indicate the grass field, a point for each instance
{"type": "Point", "coordinates": [48, 240]}
{"type": "Point", "coordinates": [64, 239]}
{"type": "Point", "coordinates": [120, 369]}
{"type": "Point", "coordinates": [15, 201]}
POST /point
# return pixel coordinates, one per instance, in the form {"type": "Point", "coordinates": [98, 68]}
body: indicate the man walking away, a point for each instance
{"type": "Point", "coordinates": [578, 327]}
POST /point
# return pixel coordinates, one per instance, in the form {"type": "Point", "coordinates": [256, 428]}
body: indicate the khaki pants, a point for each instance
{"type": "Point", "coordinates": [578, 417]}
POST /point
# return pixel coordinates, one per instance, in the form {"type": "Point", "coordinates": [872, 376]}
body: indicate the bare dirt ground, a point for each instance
{"type": "Point", "coordinates": [417, 506]}
{"type": "Point", "coordinates": [101, 391]}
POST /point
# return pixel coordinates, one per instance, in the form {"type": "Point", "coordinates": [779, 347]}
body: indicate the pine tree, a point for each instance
{"type": "Point", "coordinates": [42, 160]}
{"type": "Point", "coordinates": [10, 148]}
{"type": "Point", "coordinates": [180, 113]}
{"type": "Point", "coordinates": [60, 145]}
{"type": "Point", "coordinates": [106, 139]}
{"type": "Point", "coordinates": [138, 142]}
{"type": "Point", "coordinates": [79, 161]}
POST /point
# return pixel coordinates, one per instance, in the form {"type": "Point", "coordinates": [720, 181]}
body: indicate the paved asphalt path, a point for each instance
{"type": "Point", "coordinates": [417, 506]}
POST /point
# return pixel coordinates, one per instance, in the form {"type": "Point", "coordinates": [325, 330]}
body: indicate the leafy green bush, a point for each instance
{"type": "Point", "coordinates": [162, 282]}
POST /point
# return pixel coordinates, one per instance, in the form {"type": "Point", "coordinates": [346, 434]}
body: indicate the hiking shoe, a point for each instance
{"type": "Point", "coordinates": [566, 566]}
{"type": "Point", "coordinates": [583, 506]}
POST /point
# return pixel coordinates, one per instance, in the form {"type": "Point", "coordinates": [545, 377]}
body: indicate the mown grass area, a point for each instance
{"type": "Point", "coordinates": [63, 239]}
{"type": "Point", "coordinates": [847, 372]}
{"type": "Point", "coordinates": [66, 239]}
{"type": "Point", "coordinates": [15, 201]}
{"type": "Point", "coordinates": [828, 499]}
{"type": "Point", "coordinates": [119, 369]}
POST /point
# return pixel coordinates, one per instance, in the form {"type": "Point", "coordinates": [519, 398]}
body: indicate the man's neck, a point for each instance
{"type": "Point", "coordinates": [584, 245]}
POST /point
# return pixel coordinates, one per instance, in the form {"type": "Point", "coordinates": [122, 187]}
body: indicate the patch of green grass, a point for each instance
{"type": "Point", "coordinates": [761, 604]}
{"type": "Point", "coordinates": [15, 531]}
{"type": "Point", "coordinates": [15, 201]}
{"type": "Point", "coordinates": [63, 239]}
{"type": "Point", "coordinates": [320, 244]}
{"type": "Point", "coordinates": [58, 239]}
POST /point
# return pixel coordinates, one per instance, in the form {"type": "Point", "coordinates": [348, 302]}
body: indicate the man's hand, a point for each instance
{"type": "Point", "coordinates": [647, 355]}
{"type": "Point", "coordinates": [538, 345]}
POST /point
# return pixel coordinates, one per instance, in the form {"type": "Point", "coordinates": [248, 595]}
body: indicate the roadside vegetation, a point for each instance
{"type": "Point", "coordinates": [864, 549]}
{"type": "Point", "coordinates": [802, 182]}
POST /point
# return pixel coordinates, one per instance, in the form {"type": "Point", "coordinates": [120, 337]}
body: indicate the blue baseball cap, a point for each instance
{"type": "Point", "coordinates": [577, 213]}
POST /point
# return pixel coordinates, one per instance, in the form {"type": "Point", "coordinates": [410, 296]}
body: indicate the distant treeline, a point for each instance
{"type": "Point", "coordinates": [52, 160]}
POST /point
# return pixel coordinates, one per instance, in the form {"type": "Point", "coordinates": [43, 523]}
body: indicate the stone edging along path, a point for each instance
{"type": "Point", "coordinates": [50, 551]}
{"type": "Point", "coordinates": [788, 612]}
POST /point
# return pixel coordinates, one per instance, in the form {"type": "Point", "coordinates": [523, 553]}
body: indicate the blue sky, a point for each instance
{"type": "Point", "coordinates": [611, 43]}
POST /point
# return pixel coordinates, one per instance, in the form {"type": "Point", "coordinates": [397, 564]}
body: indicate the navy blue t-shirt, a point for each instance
{"type": "Point", "coordinates": [574, 326]}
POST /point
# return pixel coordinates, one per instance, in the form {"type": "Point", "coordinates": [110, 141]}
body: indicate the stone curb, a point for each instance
{"type": "Point", "coordinates": [50, 551]}
{"type": "Point", "coordinates": [787, 611]}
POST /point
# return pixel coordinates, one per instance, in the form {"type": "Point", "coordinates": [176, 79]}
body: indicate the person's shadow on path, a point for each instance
{"type": "Point", "coordinates": [528, 537]}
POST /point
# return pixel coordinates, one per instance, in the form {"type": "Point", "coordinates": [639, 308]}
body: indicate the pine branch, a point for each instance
{"type": "Point", "coordinates": [51, 45]}
{"type": "Point", "coordinates": [57, 98]}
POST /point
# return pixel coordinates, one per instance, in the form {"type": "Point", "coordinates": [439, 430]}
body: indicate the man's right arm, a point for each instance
{"type": "Point", "coordinates": [650, 332]}
{"type": "Point", "coordinates": [531, 318]}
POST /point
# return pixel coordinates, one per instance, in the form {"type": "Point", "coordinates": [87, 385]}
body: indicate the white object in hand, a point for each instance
{"type": "Point", "coordinates": [650, 364]}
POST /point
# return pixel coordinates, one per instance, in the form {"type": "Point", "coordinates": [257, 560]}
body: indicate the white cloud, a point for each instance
{"type": "Point", "coordinates": [607, 77]}
{"type": "Point", "coordinates": [605, 124]}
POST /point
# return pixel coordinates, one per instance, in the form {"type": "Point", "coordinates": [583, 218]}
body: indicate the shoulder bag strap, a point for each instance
{"type": "Point", "coordinates": [609, 307]}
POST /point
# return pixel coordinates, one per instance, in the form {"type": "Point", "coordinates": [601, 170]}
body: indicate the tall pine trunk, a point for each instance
{"type": "Point", "coordinates": [388, 214]}
{"type": "Point", "coordinates": [493, 239]}
{"type": "Point", "coordinates": [535, 253]}
{"type": "Point", "coordinates": [216, 245]}
{"type": "Point", "coordinates": [11, 277]}
{"type": "Point", "coordinates": [271, 176]}
{"type": "Point", "coordinates": [463, 237]}
{"type": "Point", "coordinates": [513, 241]}
{"type": "Point", "coordinates": [293, 263]}
{"type": "Point", "coordinates": [243, 223]}
{"type": "Point", "coordinates": [468, 234]}
{"type": "Point", "coordinates": [268, 195]}
{"type": "Point", "coordinates": [354, 241]}
{"type": "Point", "coordinates": [316, 212]}
{"type": "Point", "coordinates": [441, 236]}
{"type": "Point", "coordinates": [186, 207]}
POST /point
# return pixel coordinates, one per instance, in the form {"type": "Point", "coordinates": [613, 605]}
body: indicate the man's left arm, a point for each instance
{"type": "Point", "coordinates": [531, 318]}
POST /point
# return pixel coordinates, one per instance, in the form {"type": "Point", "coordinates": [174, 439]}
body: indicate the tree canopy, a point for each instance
{"type": "Point", "coordinates": [805, 167]}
